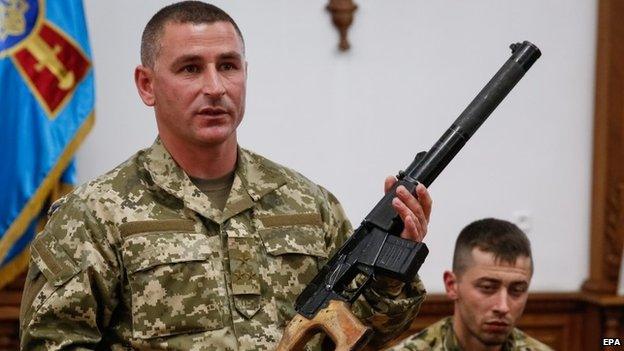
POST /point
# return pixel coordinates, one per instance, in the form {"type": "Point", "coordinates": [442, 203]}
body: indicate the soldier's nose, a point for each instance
{"type": "Point", "coordinates": [502, 302]}
{"type": "Point", "coordinates": [213, 84]}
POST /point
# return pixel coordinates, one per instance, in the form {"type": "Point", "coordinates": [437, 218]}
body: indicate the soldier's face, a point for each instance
{"type": "Point", "coordinates": [489, 298]}
{"type": "Point", "coordinates": [197, 83]}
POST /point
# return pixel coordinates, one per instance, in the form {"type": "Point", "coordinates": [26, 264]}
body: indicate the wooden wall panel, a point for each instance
{"type": "Point", "coordinates": [607, 222]}
{"type": "Point", "coordinates": [10, 298]}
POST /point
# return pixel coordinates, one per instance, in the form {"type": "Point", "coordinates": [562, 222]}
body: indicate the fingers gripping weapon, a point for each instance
{"type": "Point", "coordinates": [375, 248]}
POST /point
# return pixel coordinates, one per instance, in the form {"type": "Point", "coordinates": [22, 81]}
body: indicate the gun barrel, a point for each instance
{"type": "Point", "coordinates": [522, 58]}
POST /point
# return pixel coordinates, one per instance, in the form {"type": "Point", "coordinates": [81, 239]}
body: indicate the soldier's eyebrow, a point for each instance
{"type": "Point", "coordinates": [186, 59]}
{"type": "Point", "coordinates": [231, 55]}
{"type": "Point", "coordinates": [487, 280]}
{"type": "Point", "coordinates": [519, 283]}
{"type": "Point", "coordinates": [194, 58]}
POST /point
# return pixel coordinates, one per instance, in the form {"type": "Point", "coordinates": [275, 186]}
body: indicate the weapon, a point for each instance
{"type": "Point", "coordinates": [375, 248]}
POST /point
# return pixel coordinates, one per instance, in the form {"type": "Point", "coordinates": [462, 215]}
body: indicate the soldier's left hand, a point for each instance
{"type": "Point", "coordinates": [413, 210]}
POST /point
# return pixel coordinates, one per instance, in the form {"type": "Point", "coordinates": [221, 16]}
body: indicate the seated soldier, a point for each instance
{"type": "Point", "coordinates": [492, 269]}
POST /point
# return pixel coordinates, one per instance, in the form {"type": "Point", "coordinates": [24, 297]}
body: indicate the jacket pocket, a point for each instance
{"type": "Point", "coordinates": [292, 262]}
{"type": "Point", "coordinates": [176, 281]}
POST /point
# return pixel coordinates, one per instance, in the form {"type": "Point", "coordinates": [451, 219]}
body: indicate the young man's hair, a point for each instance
{"type": "Point", "coordinates": [195, 12]}
{"type": "Point", "coordinates": [503, 239]}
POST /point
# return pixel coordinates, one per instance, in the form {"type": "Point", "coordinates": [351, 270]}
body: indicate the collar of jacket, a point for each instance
{"type": "Point", "coordinates": [254, 178]}
{"type": "Point", "coordinates": [452, 344]}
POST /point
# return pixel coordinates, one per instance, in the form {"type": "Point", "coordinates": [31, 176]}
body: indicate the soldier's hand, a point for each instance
{"type": "Point", "coordinates": [413, 210]}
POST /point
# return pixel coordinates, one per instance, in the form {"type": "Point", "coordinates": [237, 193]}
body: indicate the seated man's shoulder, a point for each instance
{"type": "Point", "coordinates": [523, 342]}
{"type": "Point", "coordinates": [429, 339]}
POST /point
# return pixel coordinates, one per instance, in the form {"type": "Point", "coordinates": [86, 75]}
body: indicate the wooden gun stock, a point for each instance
{"type": "Point", "coordinates": [337, 321]}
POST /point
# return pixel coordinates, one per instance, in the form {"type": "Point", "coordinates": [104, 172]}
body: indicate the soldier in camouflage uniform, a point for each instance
{"type": "Point", "coordinates": [195, 243]}
{"type": "Point", "coordinates": [441, 337]}
{"type": "Point", "coordinates": [492, 269]}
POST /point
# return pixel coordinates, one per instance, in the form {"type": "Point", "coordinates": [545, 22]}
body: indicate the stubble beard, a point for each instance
{"type": "Point", "coordinates": [490, 339]}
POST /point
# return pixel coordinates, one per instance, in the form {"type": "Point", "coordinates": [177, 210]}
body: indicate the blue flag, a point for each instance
{"type": "Point", "coordinates": [46, 109]}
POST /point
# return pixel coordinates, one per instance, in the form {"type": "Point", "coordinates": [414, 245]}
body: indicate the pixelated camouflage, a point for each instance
{"type": "Point", "coordinates": [139, 259]}
{"type": "Point", "coordinates": [441, 337]}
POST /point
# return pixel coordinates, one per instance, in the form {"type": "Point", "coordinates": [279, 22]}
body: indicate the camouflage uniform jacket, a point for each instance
{"type": "Point", "coordinates": [138, 259]}
{"type": "Point", "coordinates": [441, 337]}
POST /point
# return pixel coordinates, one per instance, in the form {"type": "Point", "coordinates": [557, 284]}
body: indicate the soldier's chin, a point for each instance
{"type": "Point", "coordinates": [214, 136]}
{"type": "Point", "coordinates": [493, 339]}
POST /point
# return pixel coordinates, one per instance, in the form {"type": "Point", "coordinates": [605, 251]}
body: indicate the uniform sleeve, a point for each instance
{"type": "Point", "coordinates": [70, 289]}
{"type": "Point", "coordinates": [388, 306]}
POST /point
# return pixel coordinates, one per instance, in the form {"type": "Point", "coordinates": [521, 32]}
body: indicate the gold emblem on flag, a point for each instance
{"type": "Point", "coordinates": [12, 18]}
{"type": "Point", "coordinates": [47, 58]}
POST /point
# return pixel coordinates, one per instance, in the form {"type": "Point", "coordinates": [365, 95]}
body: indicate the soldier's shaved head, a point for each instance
{"type": "Point", "coordinates": [503, 239]}
{"type": "Point", "coordinates": [195, 12]}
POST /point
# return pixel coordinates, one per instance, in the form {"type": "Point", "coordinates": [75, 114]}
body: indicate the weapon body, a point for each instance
{"type": "Point", "coordinates": [375, 248]}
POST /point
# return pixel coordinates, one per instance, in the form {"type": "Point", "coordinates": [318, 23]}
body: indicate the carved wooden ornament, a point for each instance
{"type": "Point", "coordinates": [342, 17]}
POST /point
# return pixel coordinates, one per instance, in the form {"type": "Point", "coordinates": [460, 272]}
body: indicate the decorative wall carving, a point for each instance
{"type": "Point", "coordinates": [613, 238]}
{"type": "Point", "coordinates": [342, 17]}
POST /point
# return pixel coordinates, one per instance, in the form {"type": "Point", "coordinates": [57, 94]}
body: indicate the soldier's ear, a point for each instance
{"type": "Point", "coordinates": [450, 285]}
{"type": "Point", "coordinates": [143, 78]}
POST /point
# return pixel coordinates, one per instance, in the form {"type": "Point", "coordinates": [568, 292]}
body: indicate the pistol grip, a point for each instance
{"type": "Point", "coordinates": [336, 320]}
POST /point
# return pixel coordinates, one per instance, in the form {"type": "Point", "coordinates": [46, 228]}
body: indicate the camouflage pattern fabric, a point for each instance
{"type": "Point", "coordinates": [441, 337]}
{"type": "Point", "coordinates": [139, 259]}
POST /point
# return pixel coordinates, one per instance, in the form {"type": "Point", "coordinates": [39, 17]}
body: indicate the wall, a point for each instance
{"type": "Point", "coordinates": [348, 120]}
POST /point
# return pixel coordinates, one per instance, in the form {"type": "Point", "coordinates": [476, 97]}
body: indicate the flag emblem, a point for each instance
{"type": "Point", "coordinates": [46, 58]}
